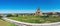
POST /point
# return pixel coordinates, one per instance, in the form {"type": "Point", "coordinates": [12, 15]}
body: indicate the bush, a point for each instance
{"type": "Point", "coordinates": [0, 17]}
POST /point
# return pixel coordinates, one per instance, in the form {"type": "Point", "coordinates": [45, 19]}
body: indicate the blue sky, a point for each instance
{"type": "Point", "coordinates": [29, 6]}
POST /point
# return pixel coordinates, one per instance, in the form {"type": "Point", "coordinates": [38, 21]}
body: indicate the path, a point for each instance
{"type": "Point", "coordinates": [30, 24]}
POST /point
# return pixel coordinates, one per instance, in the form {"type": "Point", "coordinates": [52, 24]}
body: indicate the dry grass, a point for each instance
{"type": "Point", "coordinates": [4, 23]}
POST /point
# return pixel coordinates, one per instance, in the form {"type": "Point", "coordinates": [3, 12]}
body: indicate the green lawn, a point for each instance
{"type": "Point", "coordinates": [36, 19]}
{"type": "Point", "coordinates": [4, 23]}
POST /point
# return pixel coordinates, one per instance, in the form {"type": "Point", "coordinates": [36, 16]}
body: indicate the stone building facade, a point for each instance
{"type": "Point", "coordinates": [38, 13]}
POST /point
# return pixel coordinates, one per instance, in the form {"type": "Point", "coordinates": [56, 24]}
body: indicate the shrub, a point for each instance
{"type": "Point", "coordinates": [0, 17]}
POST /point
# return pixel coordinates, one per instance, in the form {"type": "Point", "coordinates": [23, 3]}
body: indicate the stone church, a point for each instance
{"type": "Point", "coordinates": [38, 12]}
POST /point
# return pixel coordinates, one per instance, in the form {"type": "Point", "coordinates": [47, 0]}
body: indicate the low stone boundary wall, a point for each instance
{"type": "Point", "coordinates": [18, 23]}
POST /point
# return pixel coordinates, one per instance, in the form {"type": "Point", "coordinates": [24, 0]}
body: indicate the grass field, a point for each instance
{"type": "Point", "coordinates": [36, 19]}
{"type": "Point", "coordinates": [4, 23]}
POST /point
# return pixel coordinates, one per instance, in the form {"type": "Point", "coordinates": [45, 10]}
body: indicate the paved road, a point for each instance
{"type": "Point", "coordinates": [29, 24]}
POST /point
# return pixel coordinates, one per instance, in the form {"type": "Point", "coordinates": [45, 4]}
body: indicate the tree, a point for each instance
{"type": "Point", "coordinates": [9, 15]}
